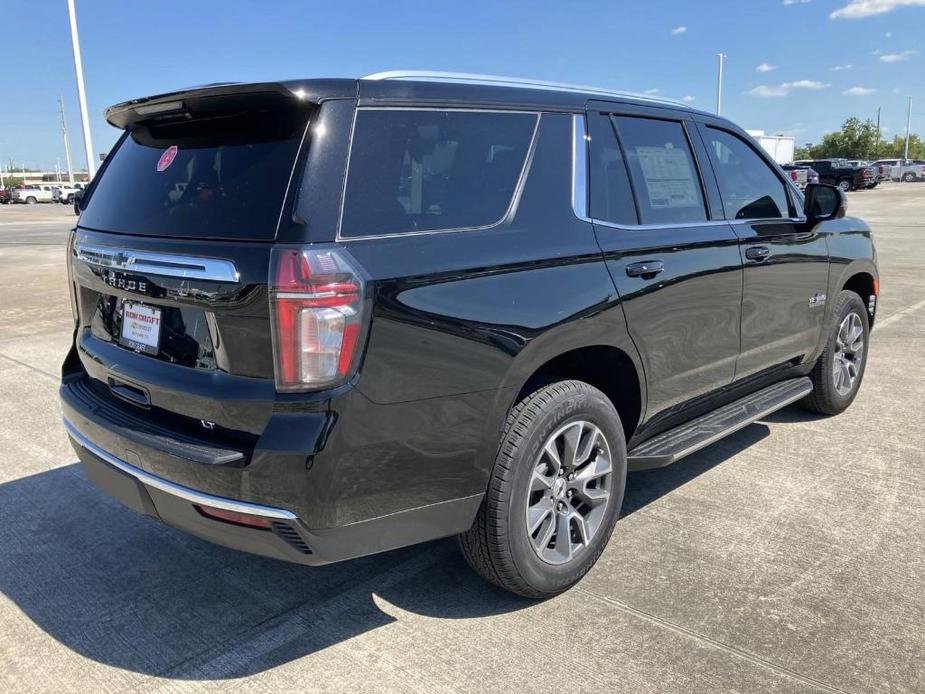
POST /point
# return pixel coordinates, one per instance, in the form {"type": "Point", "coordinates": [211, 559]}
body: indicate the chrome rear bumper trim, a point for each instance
{"type": "Point", "coordinates": [174, 489]}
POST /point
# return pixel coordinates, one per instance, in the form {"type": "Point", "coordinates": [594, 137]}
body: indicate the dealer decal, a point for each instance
{"type": "Point", "coordinates": [167, 158]}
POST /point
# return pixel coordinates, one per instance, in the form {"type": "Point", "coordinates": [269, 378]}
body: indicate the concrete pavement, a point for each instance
{"type": "Point", "coordinates": [789, 557]}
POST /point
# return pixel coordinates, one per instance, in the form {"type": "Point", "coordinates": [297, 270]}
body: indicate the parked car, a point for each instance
{"type": "Point", "coordinates": [5, 196]}
{"type": "Point", "coordinates": [451, 306]}
{"type": "Point", "coordinates": [799, 175]}
{"type": "Point", "coordinates": [837, 172]}
{"type": "Point", "coordinates": [907, 170]}
{"type": "Point", "coordinates": [32, 194]}
{"type": "Point", "coordinates": [65, 193]}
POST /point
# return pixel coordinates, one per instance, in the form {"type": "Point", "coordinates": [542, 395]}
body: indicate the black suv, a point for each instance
{"type": "Point", "coordinates": [320, 319]}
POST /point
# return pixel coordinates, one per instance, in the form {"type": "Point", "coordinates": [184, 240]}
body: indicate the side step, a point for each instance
{"type": "Point", "coordinates": [672, 445]}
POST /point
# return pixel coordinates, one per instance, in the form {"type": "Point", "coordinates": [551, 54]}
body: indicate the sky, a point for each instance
{"type": "Point", "coordinates": [797, 67]}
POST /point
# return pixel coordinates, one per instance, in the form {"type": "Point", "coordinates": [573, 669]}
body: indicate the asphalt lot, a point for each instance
{"type": "Point", "coordinates": [789, 557]}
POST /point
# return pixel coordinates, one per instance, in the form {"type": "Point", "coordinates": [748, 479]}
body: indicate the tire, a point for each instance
{"type": "Point", "coordinates": [31, 200]}
{"type": "Point", "coordinates": [499, 546]}
{"type": "Point", "coordinates": [908, 177]}
{"type": "Point", "coordinates": [845, 185]}
{"type": "Point", "coordinates": [830, 396]}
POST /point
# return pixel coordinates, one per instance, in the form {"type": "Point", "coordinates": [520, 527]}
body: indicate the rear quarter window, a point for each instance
{"type": "Point", "coordinates": [433, 170]}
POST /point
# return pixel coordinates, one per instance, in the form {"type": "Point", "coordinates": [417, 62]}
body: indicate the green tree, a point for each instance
{"type": "Point", "coordinates": [858, 139]}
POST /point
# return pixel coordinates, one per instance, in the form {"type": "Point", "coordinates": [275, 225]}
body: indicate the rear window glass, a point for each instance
{"type": "Point", "coordinates": [222, 177]}
{"type": "Point", "coordinates": [662, 166]}
{"type": "Point", "coordinates": [422, 170]}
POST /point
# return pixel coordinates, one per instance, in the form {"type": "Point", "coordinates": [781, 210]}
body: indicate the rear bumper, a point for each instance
{"type": "Point", "coordinates": [289, 538]}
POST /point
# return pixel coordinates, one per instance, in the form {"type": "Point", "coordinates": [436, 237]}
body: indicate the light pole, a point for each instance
{"type": "Point", "coordinates": [81, 93]}
{"type": "Point", "coordinates": [67, 145]}
{"type": "Point", "coordinates": [908, 126]}
{"type": "Point", "coordinates": [721, 57]}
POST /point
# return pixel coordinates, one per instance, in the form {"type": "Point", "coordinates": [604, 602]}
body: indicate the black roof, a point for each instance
{"type": "Point", "coordinates": [489, 92]}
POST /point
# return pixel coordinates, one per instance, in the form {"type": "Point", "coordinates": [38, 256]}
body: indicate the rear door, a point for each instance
{"type": "Point", "coordinates": [786, 261]}
{"type": "Point", "coordinates": [676, 268]}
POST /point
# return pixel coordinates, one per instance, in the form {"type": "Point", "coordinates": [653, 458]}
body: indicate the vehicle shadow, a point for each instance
{"type": "Point", "coordinates": [125, 590]}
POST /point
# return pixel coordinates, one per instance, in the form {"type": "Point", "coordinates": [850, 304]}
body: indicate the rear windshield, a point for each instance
{"type": "Point", "coordinates": [429, 170]}
{"type": "Point", "coordinates": [221, 177]}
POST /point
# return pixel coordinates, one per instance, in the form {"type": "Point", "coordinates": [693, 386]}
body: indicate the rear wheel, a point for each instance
{"type": "Point", "coordinates": [555, 492]}
{"type": "Point", "coordinates": [31, 200]}
{"type": "Point", "coordinates": [839, 370]}
{"type": "Point", "coordinates": [909, 177]}
{"type": "Point", "coordinates": [845, 185]}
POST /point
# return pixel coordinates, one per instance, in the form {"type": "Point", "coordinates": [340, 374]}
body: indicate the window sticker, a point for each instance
{"type": "Point", "coordinates": [167, 158]}
{"type": "Point", "coordinates": [669, 178]}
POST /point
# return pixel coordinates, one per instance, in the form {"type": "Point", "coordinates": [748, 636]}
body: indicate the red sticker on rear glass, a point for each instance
{"type": "Point", "coordinates": [167, 158]}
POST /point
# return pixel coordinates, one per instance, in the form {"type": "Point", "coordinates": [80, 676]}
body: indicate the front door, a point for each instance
{"type": "Point", "coordinates": [677, 270]}
{"type": "Point", "coordinates": [786, 263]}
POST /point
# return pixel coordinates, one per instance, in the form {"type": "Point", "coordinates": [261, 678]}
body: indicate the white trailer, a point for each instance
{"type": "Point", "coordinates": [780, 147]}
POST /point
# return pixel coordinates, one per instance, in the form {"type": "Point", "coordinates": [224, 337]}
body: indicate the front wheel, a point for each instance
{"type": "Point", "coordinates": [845, 185]}
{"type": "Point", "coordinates": [31, 200]}
{"type": "Point", "coordinates": [839, 370]}
{"type": "Point", "coordinates": [554, 494]}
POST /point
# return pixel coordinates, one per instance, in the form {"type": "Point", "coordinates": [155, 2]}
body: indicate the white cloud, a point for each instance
{"type": "Point", "coordinates": [783, 89]}
{"type": "Point", "coordinates": [805, 84]}
{"type": "Point", "coordinates": [795, 2]}
{"type": "Point", "coordinates": [766, 67]}
{"type": "Point", "coordinates": [858, 9]}
{"type": "Point", "coordinates": [897, 57]}
{"type": "Point", "coordinates": [859, 91]}
{"type": "Point", "coordinates": [688, 99]}
{"type": "Point", "coordinates": [839, 68]}
{"type": "Point", "coordinates": [678, 30]}
{"type": "Point", "coordinates": [769, 90]}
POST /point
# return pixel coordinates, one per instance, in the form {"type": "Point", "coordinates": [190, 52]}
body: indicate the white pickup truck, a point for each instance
{"type": "Point", "coordinates": [65, 193]}
{"type": "Point", "coordinates": [32, 194]}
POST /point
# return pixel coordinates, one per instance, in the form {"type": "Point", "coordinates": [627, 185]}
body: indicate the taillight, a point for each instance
{"type": "Point", "coordinates": [794, 176]}
{"type": "Point", "coordinates": [316, 298]}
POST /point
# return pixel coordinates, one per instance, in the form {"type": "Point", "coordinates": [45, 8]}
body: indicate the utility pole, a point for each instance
{"type": "Point", "coordinates": [908, 126]}
{"type": "Point", "coordinates": [67, 146]}
{"type": "Point", "coordinates": [81, 93]}
{"type": "Point", "coordinates": [877, 152]}
{"type": "Point", "coordinates": [719, 83]}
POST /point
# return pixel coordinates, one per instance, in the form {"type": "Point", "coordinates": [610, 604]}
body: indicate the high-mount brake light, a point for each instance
{"type": "Point", "coordinates": [316, 298]}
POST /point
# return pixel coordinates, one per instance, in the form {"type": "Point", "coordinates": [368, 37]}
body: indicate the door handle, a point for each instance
{"type": "Point", "coordinates": [646, 269]}
{"type": "Point", "coordinates": [757, 253]}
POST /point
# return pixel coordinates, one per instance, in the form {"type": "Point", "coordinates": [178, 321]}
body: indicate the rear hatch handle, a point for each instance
{"type": "Point", "coordinates": [129, 393]}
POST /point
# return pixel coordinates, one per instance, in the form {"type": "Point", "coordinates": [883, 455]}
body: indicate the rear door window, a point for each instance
{"type": "Point", "coordinates": [430, 170]}
{"type": "Point", "coordinates": [665, 178]}
{"type": "Point", "coordinates": [749, 187]}
{"type": "Point", "coordinates": [222, 177]}
{"type": "Point", "coordinates": [611, 197]}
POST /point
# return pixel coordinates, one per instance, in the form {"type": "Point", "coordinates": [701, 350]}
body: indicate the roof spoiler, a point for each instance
{"type": "Point", "coordinates": [208, 99]}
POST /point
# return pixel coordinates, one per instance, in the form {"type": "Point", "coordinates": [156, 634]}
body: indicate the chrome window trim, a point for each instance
{"type": "Point", "coordinates": [173, 488]}
{"type": "Point", "coordinates": [162, 264]}
{"type": "Point", "coordinates": [515, 197]}
{"type": "Point", "coordinates": [580, 167]}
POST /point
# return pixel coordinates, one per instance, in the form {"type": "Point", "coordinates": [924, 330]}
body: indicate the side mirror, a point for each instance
{"type": "Point", "coordinates": [824, 202]}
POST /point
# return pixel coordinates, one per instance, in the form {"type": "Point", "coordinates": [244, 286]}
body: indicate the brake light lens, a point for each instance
{"type": "Point", "coordinates": [793, 176]}
{"type": "Point", "coordinates": [316, 298]}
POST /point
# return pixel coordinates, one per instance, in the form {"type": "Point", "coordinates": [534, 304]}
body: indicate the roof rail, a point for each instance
{"type": "Point", "coordinates": [501, 81]}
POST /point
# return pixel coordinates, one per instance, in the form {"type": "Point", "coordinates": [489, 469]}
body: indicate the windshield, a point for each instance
{"type": "Point", "coordinates": [221, 177]}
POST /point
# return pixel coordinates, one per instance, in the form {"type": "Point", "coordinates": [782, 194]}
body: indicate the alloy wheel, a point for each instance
{"type": "Point", "coordinates": [569, 490]}
{"type": "Point", "coordinates": [849, 352]}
